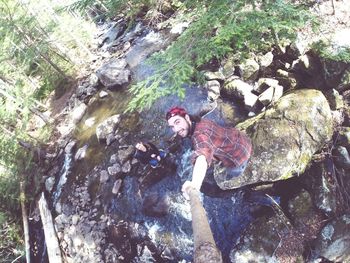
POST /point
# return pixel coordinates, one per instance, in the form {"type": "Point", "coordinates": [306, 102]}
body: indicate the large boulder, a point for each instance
{"type": "Point", "coordinates": [284, 138]}
{"type": "Point", "coordinates": [114, 73]}
{"type": "Point", "coordinates": [107, 127]}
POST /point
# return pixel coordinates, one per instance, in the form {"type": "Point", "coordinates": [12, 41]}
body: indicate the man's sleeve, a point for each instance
{"type": "Point", "coordinates": [203, 145]}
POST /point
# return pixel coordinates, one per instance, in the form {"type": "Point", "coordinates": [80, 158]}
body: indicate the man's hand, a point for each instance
{"type": "Point", "coordinates": [187, 187]}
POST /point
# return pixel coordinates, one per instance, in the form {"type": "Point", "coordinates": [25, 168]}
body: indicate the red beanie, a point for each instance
{"type": "Point", "coordinates": [176, 111]}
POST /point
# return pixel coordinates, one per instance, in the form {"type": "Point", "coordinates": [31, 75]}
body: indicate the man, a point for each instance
{"type": "Point", "coordinates": [227, 147]}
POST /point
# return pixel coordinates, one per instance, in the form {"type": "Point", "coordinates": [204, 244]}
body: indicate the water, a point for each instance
{"type": "Point", "coordinates": [65, 171]}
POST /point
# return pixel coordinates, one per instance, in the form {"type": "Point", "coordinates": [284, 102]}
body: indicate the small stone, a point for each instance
{"type": "Point", "coordinates": [116, 186]}
{"type": "Point", "coordinates": [104, 176]}
{"type": "Point", "coordinates": [103, 94]}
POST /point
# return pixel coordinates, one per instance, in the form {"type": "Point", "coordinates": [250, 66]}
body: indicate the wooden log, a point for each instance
{"type": "Point", "coordinates": [25, 221]}
{"type": "Point", "coordinates": [53, 248]}
{"type": "Point", "coordinates": [205, 249]}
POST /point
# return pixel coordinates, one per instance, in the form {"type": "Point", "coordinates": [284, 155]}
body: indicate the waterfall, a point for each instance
{"type": "Point", "coordinates": [66, 168]}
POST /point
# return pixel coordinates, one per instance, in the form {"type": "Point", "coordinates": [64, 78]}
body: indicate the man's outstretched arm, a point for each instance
{"type": "Point", "coordinates": [199, 171]}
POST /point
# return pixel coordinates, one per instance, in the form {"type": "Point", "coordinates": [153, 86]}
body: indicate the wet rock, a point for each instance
{"type": "Point", "coordinates": [78, 113]}
{"type": "Point", "coordinates": [49, 183]}
{"type": "Point", "coordinates": [125, 154]}
{"type": "Point", "coordinates": [126, 167]}
{"type": "Point", "coordinates": [90, 122]}
{"type": "Point", "coordinates": [104, 176]}
{"type": "Point", "coordinates": [112, 32]}
{"type": "Point", "coordinates": [93, 80]}
{"type": "Point", "coordinates": [144, 47]}
{"type": "Point", "coordinates": [342, 158]}
{"type": "Point", "coordinates": [213, 87]}
{"type": "Point", "coordinates": [155, 205]}
{"type": "Point", "coordinates": [107, 127]}
{"type": "Point", "coordinates": [114, 169]}
{"type": "Point", "coordinates": [75, 219]}
{"type": "Point", "coordinates": [344, 136]}
{"type": "Point", "coordinates": [103, 94]}
{"type": "Point", "coordinates": [110, 139]}
{"type": "Point", "coordinates": [249, 69]}
{"type": "Point", "coordinates": [113, 159]}
{"type": "Point", "coordinates": [333, 243]}
{"type": "Point", "coordinates": [116, 186]}
{"type": "Point", "coordinates": [85, 91]}
{"type": "Point", "coordinates": [81, 153]}
{"type": "Point", "coordinates": [284, 138]}
{"type": "Point", "coordinates": [70, 146]}
{"type": "Point", "coordinates": [322, 187]}
{"type": "Point", "coordinates": [114, 73]}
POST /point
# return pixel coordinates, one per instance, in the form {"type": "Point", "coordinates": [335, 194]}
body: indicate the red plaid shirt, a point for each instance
{"type": "Point", "coordinates": [228, 145]}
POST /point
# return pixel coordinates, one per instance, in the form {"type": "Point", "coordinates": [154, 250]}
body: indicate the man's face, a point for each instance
{"type": "Point", "coordinates": [180, 125]}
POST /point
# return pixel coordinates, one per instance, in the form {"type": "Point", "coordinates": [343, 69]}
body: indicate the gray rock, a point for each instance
{"type": "Point", "coordinates": [344, 81]}
{"type": "Point", "coordinates": [213, 87]}
{"type": "Point", "coordinates": [333, 243]}
{"type": "Point", "coordinates": [286, 79]}
{"type": "Point", "coordinates": [103, 94]}
{"type": "Point", "coordinates": [344, 136]}
{"type": "Point", "coordinates": [284, 138]}
{"type": "Point", "coordinates": [90, 122]}
{"type": "Point", "coordinates": [78, 112]}
{"type": "Point", "coordinates": [265, 60]}
{"type": "Point", "coordinates": [70, 146]}
{"type": "Point", "coordinates": [249, 69]}
{"type": "Point", "coordinates": [116, 186]}
{"type": "Point", "coordinates": [265, 83]}
{"type": "Point", "coordinates": [125, 154]}
{"type": "Point", "coordinates": [114, 169]}
{"type": "Point", "coordinates": [49, 183]}
{"type": "Point", "coordinates": [335, 100]}
{"type": "Point", "coordinates": [110, 139]}
{"type": "Point", "coordinates": [342, 157]}
{"type": "Point", "coordinates": [271, 95]}
{"type": "Point", "coordinates": [81, 153]}
{"type": "Point", "coordinates": [126, 167]}
{"type": "Point", "coordinates": [107, 127]}
{"type": "Point", "coordinates": [114, 73]}
{"type": "Point", "coordinates": [209, 75]}
{"type": "Point", "coordinates": [104, 176]}
{"type": "Point", "coordinates": [113, 159]}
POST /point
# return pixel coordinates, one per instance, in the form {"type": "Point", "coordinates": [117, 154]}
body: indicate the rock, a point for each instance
{"type": "Point", "coordinates": [104, 176]}
{"type": "Point", "coordinates": [242, 90]}
{"type": "Point", "coordinates": [116, 186]}
{"type": "Point", "coordinates": [90, 122]}
{"type": "Point", "coordinates": [114, 30]}
{"type": "Point", "coordinates": [284, 138]}
{"type": "Point", "coordinates": [103, 94]}
{"type": "Point", "coordinates": [179, 28]}
{"type": "Point", "coordinates": [49, 183]}
{"type": "Point", "coordinates": [114, 73]}
{"type": "Point", "coordinates": [78, 113]}
{"type": "Point", "coordinates": [249, 69]}
{"type": "Point", "coordinates": [306, 64]}
{"type": "Point", "coordinates": [115, 169]}
{"type": "Point", "coordinates": [85, 91]}
{"type": "Point", "coordinates": [93, 80]}
{"type": "Point", "coordinates": [271, 95]}
{"type": "Point", "coordinates": [213, 87]}
{"type": "Point", "coordinates": [75, 219]}
{"type": "Point", "coordinates": [333, 243]}
{"type": "Point", "coordinates": [344, 81]}
{"type": "Point", "coordinates": [265, 83]}
{"type": "Point", "coordinates": [110, 139]}
{"type": "Point", "coordinates": [333, 71]}
{"type": "Point", "coordinates": [344, 136]}
{"type": "Point", "coordinates": [70, 146]}
{"type": "Point", "coordinates": [335, 100]}
{"type": "Point", "coordinates": [342, 158]}
{"type": "Point", "coordinates": [126, 167]}
{"type": "Point", "coordinates": [209, 75]}
{"type": "Point", "coordinates": [107, 127]}
{"type": "Point", "coordinates": [125, 154]}
{"type": "Point", "coordinates": [81, 153]}
{"type": "Point", "coordinates": [144, 47]}
{"type": "Point", "coordinates": [265, 60]}
{"type": "Point", "coordinates": [286, 79]}
{"type": "Point", "coordinates": [113, 159]}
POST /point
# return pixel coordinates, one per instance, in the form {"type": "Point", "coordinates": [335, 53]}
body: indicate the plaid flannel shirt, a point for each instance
{"type": "Point", "coordinates": [228, 145]}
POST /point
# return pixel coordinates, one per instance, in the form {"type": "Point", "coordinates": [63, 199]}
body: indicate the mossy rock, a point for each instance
{"type": "Point", "coordinates": [285, 138]}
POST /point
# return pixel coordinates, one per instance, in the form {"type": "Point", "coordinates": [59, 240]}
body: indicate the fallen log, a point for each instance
{"type": "Point", "coordinates": [53, 248]}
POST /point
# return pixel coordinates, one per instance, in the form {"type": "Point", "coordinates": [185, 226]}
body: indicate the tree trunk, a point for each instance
{"type": "Point", "coordinates": [205, 250]}
{"type": "Point", "coordinates": [53, 248]}
{"type": "Point", "coordinates": [25, 221]}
